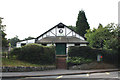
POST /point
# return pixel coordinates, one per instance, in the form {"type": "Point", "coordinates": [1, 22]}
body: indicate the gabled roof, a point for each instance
{"type": "Point", "coordinates": [58, 25]}
{"type": "Point", "coordinates": [26, 39]}
{"type": "Point", "coordinates": [63, 39]}
{"type": "Point", "coordinates": [60, 39]}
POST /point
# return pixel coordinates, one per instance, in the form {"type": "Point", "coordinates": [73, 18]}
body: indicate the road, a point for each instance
{"type": "Point", "coordinates": [94, 76]}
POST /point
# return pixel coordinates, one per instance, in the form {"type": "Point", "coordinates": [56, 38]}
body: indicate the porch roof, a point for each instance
{"type": "Point", "coordinates": [61, 39]}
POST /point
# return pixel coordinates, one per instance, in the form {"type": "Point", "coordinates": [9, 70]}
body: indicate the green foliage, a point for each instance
{"type": "Point", "coordinates": [49, 54]}
{"type": "Point", "coordinates": [2, 27]}
{"type": "Point", "coordinates": [109, 56]}
{"type": "Point", "coordinates": [4, 40]}
{"type": "Point", "coordinates": [84, 52]}
{"type": "Point", "coordinates": [13, 41]}
{"type": "Point", "coordinates": [29, 38]}
{"type": "Point", "coordinates": [81, 23]}
{"type": "Point", "coordinates": [103, 37]}
{"type": "Point", "coordinates": [14, 53]}
{"type": "Point", "coordinates": [13, 63]}
{"type": "Point", "coordinates": [34, 53]}
{"type": "Point", "coordinates": [78, 60]}
{"type": "Point", "coordinates": [113, 42]}
{"type": "Point", "coordinates": [72, 27]}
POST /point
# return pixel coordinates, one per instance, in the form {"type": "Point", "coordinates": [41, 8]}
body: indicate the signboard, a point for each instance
{"type": "Point", "coordinates": [99, 57]}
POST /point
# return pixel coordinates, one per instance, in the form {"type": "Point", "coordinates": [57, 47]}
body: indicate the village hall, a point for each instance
{"type": "Point", "coordinates": [61, 36]}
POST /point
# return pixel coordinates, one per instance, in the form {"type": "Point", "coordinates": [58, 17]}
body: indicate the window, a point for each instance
{"type": "Point", "coordinates": [77, 44]}
{"type": "Point", "coordinates": [44, 44]}
{"type": "Point", "coordinates": [22, 44]}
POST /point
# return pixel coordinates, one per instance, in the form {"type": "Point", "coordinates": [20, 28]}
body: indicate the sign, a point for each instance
{"type": "Point", "coordinates": [99, 57]}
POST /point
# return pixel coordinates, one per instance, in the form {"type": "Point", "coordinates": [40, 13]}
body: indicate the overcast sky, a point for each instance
{"type": "Point", "coordinates": [33, 17]}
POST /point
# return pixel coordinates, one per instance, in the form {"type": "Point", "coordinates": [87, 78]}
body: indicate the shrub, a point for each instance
{"type": "Point", "coordinates": [83, 51]}
{"type": "Point", "coordinates": [35, 53]}
{"type": "Point", "coordinates": [14, 53]}
{"type": "Point", "coordinates": [49, 54]}
{"type": "Point", "coordinates": [77, 61]}
{"type": "Point", "coordinates": [111, 56]}
{"type": "Point", "coordinates": [86, 52]}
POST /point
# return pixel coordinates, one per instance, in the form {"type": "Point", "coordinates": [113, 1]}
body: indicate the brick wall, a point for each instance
{"type": "Point", "coordinates": [61, 63]}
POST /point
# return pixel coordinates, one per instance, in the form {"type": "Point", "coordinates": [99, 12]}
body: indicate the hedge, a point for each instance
{"type": "Point", "coordinates": [34, 53]}
{"type": "Point", "coordinates": [86, 52]}
{"type": "Point", "coordinates": [77, 61]}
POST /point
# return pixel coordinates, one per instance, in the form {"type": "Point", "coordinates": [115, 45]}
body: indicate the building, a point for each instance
{"type": "Point", "coordinates": [60, 36]}
{"type": "Point", "coordinates": [57, 34]}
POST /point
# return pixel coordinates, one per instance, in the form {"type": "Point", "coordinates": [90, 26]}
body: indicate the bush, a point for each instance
{"type": "Point", "coordinates": [111, 56]}
{"type": "Point", "coordinates": [14, 53]}
{"type": "Point", "coordinates": [35, 53]}
{"type": "Point", "coordinates": [77, 61]}
{"type": "Point", "coordinates": [86, 52]}
{"type": "Point", "coordinates": [83, 51]}
{"type": "Point", "coordinates": [49, 54]}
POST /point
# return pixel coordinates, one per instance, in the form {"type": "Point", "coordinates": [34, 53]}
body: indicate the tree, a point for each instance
{"type": "Point", "coordinates": [13, 41]}
{"type": "Point", "coordinates": [4, 40]}
{"type": "Point", "coordinates": [81, 23]}
{"type": "Point", "coordinates": [29, 38]}
{"type": "Point", "coordinates": [103, 37]}
{"type": "Point", "coordinates": [100, 25]}
{"type": "Point", "coordinates": [72, 27]}
{"type": "Point", "coordinates": [2, 27]}
{"type": "Point", "coordinates": [113, 42]}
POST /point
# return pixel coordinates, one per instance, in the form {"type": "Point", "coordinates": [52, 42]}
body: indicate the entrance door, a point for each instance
{"type": "Point", "coordinates": [61, 56]}
{"type": "Point", "coordinates": [60, 49]}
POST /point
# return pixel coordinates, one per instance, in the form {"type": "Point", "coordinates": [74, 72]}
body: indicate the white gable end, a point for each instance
{"type": "Point", "coordinates": [64, 31]}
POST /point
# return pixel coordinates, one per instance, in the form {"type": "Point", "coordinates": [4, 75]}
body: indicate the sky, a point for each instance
{"type": "Point", "coordinates": [26, 18]}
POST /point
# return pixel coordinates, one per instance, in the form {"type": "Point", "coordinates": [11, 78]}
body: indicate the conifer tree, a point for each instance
{"type": "Point", "coordinates": [81, 23]}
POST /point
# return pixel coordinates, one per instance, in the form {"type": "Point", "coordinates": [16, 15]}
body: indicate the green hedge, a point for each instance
{"type": "Point", "coordinates": [14, 53]}
{"type": "Point", "coordinates": [35, 53]}
{"type": "Point", "coordinates": [86, 52]}
{"type": "Point", "coordinates": [77, 61]}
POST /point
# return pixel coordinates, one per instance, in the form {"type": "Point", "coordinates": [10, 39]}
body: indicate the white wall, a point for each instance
{"type": "Point", "coordinates": [49, 44]}
{"type": "Point", "coordinates": [18, 44]}
{"type": "Point", "coordinates": [66, 31]}
{"type": "Point", "coordinates": [70, 45]}
{"type": "Point", "coordinates": [83, 44]}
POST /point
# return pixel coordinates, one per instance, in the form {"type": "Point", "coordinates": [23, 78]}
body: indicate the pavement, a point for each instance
{"type": "Point", "coordinates": [56, 72]}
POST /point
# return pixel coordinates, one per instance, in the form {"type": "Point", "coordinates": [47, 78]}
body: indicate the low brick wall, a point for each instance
{"type": "Point", "coordinates": [61, 63]}
{"type": "Point", "coordinates": [27, 69]}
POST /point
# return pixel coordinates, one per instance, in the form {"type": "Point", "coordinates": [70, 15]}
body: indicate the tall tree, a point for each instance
{"type": "Point", "coordinates": [3, 34]}
{"type": "Point", "coordinates": [81, 23]}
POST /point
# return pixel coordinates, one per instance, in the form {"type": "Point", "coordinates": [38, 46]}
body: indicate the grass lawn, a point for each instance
{"type": "Point", "coordinates": [13, 63]}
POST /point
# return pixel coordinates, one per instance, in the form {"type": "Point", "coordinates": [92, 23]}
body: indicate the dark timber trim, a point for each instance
{"type": "Point", "coordinates": [56, 30]}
